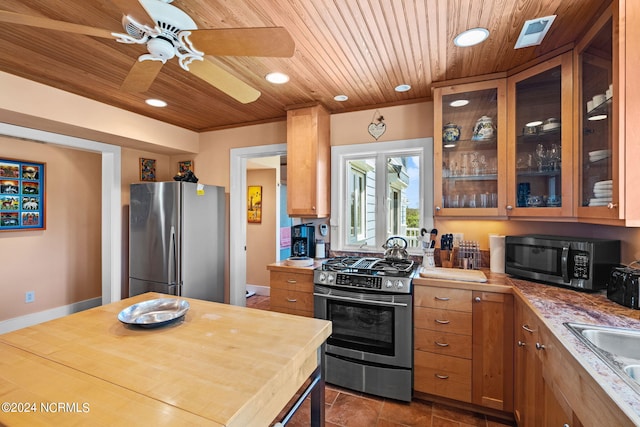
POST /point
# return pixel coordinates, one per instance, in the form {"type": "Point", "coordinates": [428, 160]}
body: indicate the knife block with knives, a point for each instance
{"type": "Point", "coordinates": [446, 250]}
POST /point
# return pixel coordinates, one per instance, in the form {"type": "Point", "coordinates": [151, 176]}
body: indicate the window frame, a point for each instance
{"type": "Point", "coordinates": [340, 155]}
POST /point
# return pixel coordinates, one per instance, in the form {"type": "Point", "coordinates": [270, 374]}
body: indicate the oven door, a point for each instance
{"type": "Point", "coordinates": [367, 326]}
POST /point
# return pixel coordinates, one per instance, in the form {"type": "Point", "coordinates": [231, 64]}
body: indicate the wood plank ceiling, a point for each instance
{"type": "Point", "coordinates": [360, 48]}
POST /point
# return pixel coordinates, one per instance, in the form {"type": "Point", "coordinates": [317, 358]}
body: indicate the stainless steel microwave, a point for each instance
{"type": "Point", "coordinates": [575, 262]}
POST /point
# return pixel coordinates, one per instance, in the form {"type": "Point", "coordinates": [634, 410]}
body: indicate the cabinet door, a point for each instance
{"type": "Point", "coordinates": [308, 151]}
{"type": "Point", "coordinates": [527, 370]}
{"type": "Point", "coordinates": [493, 350]}
{"type": "Point", "coordinates": [541, 140]}
{"type": "Point", "coordinates": [470, 153]}
{"type": "Point", "coordinates": [597, 149]}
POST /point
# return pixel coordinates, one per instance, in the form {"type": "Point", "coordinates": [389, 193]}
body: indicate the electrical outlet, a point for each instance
{"type": "Point", "coordinates": [457, 238]}
{"type": "Point", "coordinates": [29, 297]}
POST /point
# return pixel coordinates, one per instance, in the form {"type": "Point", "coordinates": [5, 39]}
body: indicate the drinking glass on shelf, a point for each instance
{"type": "Point", "coordinates": [554, 156]}
{"type": "Point", "coordinates": [540, 156]}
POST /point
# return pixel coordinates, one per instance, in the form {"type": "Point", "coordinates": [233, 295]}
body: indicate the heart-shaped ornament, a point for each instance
{"type": "Point", "coordinates": [377, 129]}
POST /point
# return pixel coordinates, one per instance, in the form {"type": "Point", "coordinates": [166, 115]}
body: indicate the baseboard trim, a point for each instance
{"type": "Point", "coordinates": [46, 315]}
{"type": "Point", "coordinates": [259, 290]}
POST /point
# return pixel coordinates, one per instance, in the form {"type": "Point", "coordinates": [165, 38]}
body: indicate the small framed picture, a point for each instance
{"type": "Point", "coordinates": [184, 167]}
{"type": "Point", "coordinates": [254, 204]}
{"type": "Point", "coordinates": [147, 169]}
{"type": "Point", "coordinates": [22, 195]}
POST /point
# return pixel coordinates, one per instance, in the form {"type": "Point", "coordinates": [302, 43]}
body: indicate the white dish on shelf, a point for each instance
{"type": "Point", "coordinates": [600, 153]}
{"type": "Point", "coordinates": [593, 159]}
{"type": "Point", "coordinates": [601, 194]}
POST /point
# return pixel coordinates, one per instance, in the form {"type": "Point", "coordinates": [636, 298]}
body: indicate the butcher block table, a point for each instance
{"type": "Point", "coordinates": [221, 365]}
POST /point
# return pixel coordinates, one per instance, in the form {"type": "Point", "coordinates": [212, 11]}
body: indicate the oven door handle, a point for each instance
{"type": "Point", "coordinates": [387, 304]}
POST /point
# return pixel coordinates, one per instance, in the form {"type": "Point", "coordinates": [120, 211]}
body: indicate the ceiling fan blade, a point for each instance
{"type": "Point", "coordinates": [224, 81]}
{"type": "Point", "coordinates": [141, 75]}
{"type": "Point", "coordinates": [135, 10]}
{"type": "Point", "coordinates": [271, 41]}
{"type": "Point", "coordinates": [52, 24]}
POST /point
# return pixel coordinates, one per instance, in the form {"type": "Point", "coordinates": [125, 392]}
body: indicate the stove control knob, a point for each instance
{"type": "Point", "coordinates": [330, 278]}
{"type": "Point", "coordinates": [399, 284]}
{"type": "Point", "coordinates": [389, 284]}
{"type": "Point", "coordinates": [323, 277]}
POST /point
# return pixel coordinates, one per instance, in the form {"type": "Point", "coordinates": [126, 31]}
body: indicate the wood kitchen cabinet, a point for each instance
{"type": "Point", "coordinates": [539, 399]}
{"type": "Point", "coordinates": [493, 350]}
{"type": "Point", "coordinates": [463, 346]}
{"type": "Point", "coordinates": [470, 123]}
{"type": "Point", "coordinates": [608, 146]}
{"type": "Point", "coordinates": [309, 160]}
{"type": "Point", "coordinates": [292, 291]}
{"type": "Point", "coordinates": [540, 147]}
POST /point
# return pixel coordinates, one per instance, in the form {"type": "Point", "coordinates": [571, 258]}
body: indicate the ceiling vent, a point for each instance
{"type": "Point", "coordinates": [533, 31]}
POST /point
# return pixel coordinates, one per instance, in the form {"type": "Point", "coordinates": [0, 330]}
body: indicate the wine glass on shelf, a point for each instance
{"type": "Point", "coordinates": [540, 156]}
{"type": "Point", "coordinates": [554, 156]}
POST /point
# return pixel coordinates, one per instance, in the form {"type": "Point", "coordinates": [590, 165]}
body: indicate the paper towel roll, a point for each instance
{"type": "Point", "coordinates": [496, 253]}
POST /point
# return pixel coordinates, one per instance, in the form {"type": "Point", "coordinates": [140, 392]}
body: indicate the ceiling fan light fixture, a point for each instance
{"type": "Point", "coordinates": [340, 98]}
{"type": "Point", "coordinates": [403, 88]}
{"type": "Point", "coordinates": [277, 78]}
{"type": "Point", "coordinates": [471, 37]}
{"type": "Point", "coordinates": [156, 102]}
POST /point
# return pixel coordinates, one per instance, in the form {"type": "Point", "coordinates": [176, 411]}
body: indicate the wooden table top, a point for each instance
{"type": "Point", "coordinates": [233, 366]}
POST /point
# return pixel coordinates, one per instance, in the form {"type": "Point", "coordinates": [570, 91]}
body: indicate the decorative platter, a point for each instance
{"type": "Point", "coordinates": [154, 313]}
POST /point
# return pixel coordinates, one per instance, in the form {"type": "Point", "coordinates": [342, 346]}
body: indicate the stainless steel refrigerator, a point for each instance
{"type": "Point", "coordinates": [176, 239]}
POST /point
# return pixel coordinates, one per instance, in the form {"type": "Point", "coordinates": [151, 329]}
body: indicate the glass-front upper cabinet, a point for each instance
{"type": "Point", "coordinates": [540, 140]}
{"type": "Point", "coordinates": [469, 149]}
{"type": "Point", "coordinates": [598, 190]}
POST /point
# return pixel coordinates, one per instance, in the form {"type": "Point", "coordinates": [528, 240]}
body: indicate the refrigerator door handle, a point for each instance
{"type": "Point", "coordinates": [172, 265]}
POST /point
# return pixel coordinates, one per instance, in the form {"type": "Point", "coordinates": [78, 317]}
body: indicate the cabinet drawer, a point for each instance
{"type": "Point", "coordinates": [301, 301]}
{"type": "Point", "coordinates": [444, 376]}
{"type": "Point", "coordinates": [443, 343]}
{"type": "Point", "coordinates": [293, 281]}
{"type": "Point", "coordinates": [450, 321]}
{"type": "Point", "coordinates": [444, 298]}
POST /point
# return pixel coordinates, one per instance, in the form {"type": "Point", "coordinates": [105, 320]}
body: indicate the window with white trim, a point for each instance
{"type": "Point", "coordinates": [381, 190]}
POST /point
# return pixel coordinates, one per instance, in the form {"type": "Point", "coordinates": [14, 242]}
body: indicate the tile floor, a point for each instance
{"type": "Point", "coordinates": [346, 408]}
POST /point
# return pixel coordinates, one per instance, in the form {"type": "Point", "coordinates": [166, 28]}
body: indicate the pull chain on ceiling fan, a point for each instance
{"type": "Point", "coordinates": [169, 32]}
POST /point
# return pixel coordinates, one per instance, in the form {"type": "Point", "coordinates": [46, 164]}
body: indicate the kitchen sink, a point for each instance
{"type": "Point", "coordinates": [619, 348]}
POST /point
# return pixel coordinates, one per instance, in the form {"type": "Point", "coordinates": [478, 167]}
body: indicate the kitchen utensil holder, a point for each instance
{"type": "Point", "coordinates": [469, 255]}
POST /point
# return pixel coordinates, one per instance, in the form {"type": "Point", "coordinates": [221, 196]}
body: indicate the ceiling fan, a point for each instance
{"type": "Point", "coordinates": [169, 32]}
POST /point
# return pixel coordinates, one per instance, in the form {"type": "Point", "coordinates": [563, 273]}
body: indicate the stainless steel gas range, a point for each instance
{"type": "Point", "coordinates": [370, 304]}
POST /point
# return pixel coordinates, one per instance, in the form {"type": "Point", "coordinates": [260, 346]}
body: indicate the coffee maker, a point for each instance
{"type": "Point", "coordinates": [303, 240]}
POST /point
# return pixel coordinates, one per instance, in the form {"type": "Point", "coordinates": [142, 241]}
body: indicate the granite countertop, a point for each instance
{"type": "Point", "coordinates": [555, 306]}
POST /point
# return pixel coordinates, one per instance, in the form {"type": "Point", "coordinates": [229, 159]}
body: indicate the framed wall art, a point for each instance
{"type": "Point", "coordinates": [184, 167]}
{"type": "Point", "coordinates": [22, 195]}
{"type": "Point", "coordinates": [147, 169]}
{"type": "Point", "coordinates": [254, 204]}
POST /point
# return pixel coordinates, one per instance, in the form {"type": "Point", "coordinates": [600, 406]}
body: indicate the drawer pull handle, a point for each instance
{"type": "Point", "coordinates": [442, 322]}
{"type": "Point", "coordinates": [292, 281]}
{"type": "Point", "coordinates": [527, 328]}
{"type": "Point", "coordinates": [441, 298]}
{"type": "Point", "coordinates": [442, 377]}
{"type": "Point", "coordinates": [540, 346]}
{"type": "Point", "coordinates": [292, 300]}
{"type": "Point", "coordinates": [441, 344]}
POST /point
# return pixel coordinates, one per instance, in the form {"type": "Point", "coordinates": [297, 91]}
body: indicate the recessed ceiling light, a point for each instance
{"type": "Point", "coordinates": [471, 37]}
{"type": "Point", "coordinates": [341, 98]}
{"type": "Point", "coordinates": [459, 103]}
{"type": "Point", "coordinates": [534, 123]}
{"type": "Point", "coordinates": [277, 78]}
{"type": "Point", "coordinates": [403, 88]}
{"type": "Point", "coordinates": [156, 102]}
{"type": "Point", "coordinates": [597, 117]}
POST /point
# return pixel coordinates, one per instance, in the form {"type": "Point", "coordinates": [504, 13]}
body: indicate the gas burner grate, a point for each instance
{"type": "Point", "coordinates": [367, 265]}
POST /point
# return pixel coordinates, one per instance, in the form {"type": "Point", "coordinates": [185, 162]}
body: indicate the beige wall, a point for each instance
{"type": "Point", "coordinates": [71, 275]}
{"type": "Point", "coordinates": [261, 240]}
{"type": "Point", "coordinates": [62, 263]}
